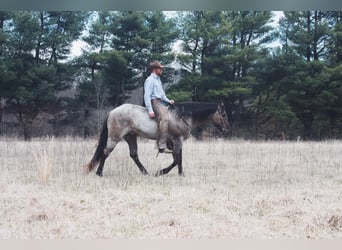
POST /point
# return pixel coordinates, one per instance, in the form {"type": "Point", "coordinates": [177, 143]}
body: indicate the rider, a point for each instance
{"type": "Point", "coordinates": [156, 103]}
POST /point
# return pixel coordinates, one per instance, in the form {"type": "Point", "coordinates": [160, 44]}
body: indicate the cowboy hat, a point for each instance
{"type": "Point", "coordinates": [155, 64]}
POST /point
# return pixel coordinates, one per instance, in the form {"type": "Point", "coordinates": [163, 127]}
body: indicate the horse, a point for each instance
{"type": "Point", "coordinates": [129, 121]}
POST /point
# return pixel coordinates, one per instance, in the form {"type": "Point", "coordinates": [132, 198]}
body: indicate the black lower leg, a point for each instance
{"type": "Point", "coordinates": [166, 170]}
{"type": "Point", "coordinates": [180, 167]}
{"type": "Point", "coordinates": [140, 166]}
{"type": "Point", "coordinates": [169, 168]}
{"type": "Point", "coordinates": [100, 168]}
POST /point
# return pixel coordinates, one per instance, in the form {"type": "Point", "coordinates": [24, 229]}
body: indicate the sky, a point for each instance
{"type": "Point", "coordinates": [77, 46]}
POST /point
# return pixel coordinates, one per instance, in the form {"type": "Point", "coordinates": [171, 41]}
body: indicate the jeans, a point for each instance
{"type": "Point", "coordinates": [162, 116]}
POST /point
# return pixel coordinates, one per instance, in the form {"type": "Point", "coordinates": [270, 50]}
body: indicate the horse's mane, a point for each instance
{"type": "Point", "coordinates": [194, 109]}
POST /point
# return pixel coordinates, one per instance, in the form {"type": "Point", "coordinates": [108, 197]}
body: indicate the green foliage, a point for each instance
{"type": "Point", "coordinates": [232, 90]}
{"type": "Point", "coordinates": [180, 95]}
{"type": "Point", "coordinates": [34, 44]}
{"type": "Point", "coordinates": [99, 31]}
{"type": "Point", "coordinates": [309, 33]}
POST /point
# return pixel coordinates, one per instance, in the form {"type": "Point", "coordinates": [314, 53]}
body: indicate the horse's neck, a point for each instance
{"type": "Point", "coordinates": [198, 121]}
{"type": "Point", "coordinates": [198, 118]}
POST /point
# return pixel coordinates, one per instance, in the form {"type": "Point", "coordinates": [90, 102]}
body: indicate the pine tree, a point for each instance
{"type": "Point", "coordinates": [37, 42]}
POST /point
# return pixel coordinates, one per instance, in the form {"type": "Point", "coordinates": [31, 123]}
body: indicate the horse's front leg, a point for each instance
{"type": "Point", "coordinates": [179, 156]}
{"type": "Point", "coordinates": [177, 159]}
{"type": "Point", "coordinates": [168, 169]}
{"type": "Point", "coordinates": [180, 166]}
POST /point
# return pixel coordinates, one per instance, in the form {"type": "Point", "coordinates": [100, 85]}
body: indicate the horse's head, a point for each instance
{"type": "Point", "coordinates": [220, 120]}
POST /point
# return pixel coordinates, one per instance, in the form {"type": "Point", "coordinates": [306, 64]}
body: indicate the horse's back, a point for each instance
{"type": "Point", "coordinates": [133, 118]}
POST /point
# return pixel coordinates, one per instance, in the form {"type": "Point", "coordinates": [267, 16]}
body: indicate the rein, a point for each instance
{"type": "Point", "coordinates": [180, 115]}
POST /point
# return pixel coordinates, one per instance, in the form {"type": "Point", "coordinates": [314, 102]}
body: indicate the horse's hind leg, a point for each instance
{"type": "Point", "coordinates": [108, 149]}
{"type": "Point", "coordinates": [131, 139]}
{"type": "Point", "coordinates": [100, 167]}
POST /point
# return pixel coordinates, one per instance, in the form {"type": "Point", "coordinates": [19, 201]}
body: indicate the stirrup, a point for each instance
{"type": "Point", "coordinates": [165, 151]}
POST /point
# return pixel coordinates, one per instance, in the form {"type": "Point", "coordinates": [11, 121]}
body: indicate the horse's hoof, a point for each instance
{"type": "Point", "coordinates": [158, 174]}
{"type": "Point", "coordinates": [99, 174]}
{"type": "Point", "coordinates": [145, 173]}
{"type": "Point", "coordinates": [181, 175]}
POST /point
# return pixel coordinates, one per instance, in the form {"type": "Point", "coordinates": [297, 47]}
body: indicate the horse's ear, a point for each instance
{"type": "Point", "coordinates": [220, 106]}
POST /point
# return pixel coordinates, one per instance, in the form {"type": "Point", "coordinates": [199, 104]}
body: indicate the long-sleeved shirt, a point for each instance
{"type": "Point", "coordinates": [153, 90]}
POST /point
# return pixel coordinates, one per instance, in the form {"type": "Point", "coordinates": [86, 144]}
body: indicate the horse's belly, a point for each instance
{"type": "Point", "coordinates": [147, 128]}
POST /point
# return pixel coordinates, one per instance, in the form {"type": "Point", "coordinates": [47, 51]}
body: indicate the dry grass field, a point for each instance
{"type": "Point", "coordinates": [231, 190]}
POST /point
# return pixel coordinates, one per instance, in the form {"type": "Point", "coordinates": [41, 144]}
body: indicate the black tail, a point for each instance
{"type": "Point", "coordinates": [102, 143]}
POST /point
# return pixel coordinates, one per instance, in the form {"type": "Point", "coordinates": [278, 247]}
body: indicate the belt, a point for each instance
{"type": "Point", "coordinates": [156, 100]}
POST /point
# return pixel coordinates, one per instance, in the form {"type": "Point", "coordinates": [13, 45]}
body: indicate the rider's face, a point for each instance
{"type": "Point", "coordinates": [158, 71]}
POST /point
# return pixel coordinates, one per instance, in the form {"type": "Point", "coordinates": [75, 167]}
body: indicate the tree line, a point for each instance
{"type": "Point", "coordinates": [285, 92]}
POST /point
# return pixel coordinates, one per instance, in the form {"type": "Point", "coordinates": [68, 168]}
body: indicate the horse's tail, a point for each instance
{"type": "Point", "coordinates": [99, 152]}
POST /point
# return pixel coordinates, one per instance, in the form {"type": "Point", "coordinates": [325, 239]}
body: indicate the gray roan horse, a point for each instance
{"type": "Point", "coordinates": [129, 121]}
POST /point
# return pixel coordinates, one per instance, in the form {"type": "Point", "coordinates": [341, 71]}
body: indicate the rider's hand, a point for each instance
{"type": "Point", "coordinates": [151, 114]}
{"type": "Point", "coordinates": [171, 101]}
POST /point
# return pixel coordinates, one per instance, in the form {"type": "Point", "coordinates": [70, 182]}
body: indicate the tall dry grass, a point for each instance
{"type": "Point", "coordinates": [231, 190]}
